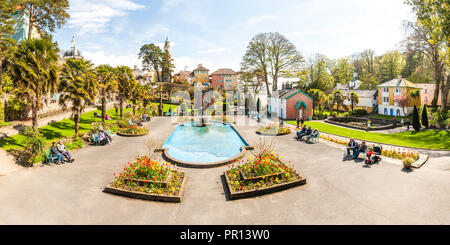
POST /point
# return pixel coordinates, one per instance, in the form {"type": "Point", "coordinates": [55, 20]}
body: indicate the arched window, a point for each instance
{"type": "Point", "coordinates": [385, 111]}
{"type": "Point", "coordinates": [391, 112]}
{"type": "Point", "coordinates": [398, 112]}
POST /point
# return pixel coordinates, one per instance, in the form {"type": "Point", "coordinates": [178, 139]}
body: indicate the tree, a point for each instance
{"type": "Point", "coordinates": [152, 58]}
{"type": "Point", "coordinates": [7, 45]}
{"type": "Point", "coordinates": [319, 74]}
{"type": "Point", "coordinates": [44, 15]}
{"type": "Point", "coordinates": [136, 95]}
{"type": "Point", "coordinates": [329, 101]}
{"type": "Point", "coordinates": [402, 101]}
{"type": "Point", "coordinates": [425, 116]}
{"type": "Point", "coordinates": [354, 99]}
{"type": "Point", "coordinates": [107, 84]}
{"type": "Point", "coordinates": [283, 57]}
{"type": "Point", "coordinates": [418, 42]}
{"type": "Point", "coordinates": [415, 120]}
{"type": "Point", "coordinates": [339, 99]}
{"type": "Point", "coordinates": [344, 71]}
{"type": "Point", "coordinates": [315, 94]}
{"type": "Point", "coordinates": [79, 87]}
{"type": "Point", "coordinates": [433, 17]}
{"type": "Point", "coordinates": [256, 58]}
{"type": "Point", "coordinates": [126, 85]}
{"type": "Point", "coordinates": [147, 95]}
{"type": "Point", "coordinates": [391, 65]}
{"type": "Point", "coordinates": [258, 106]}
{"type": "Point", "coordinates": [35, 70]}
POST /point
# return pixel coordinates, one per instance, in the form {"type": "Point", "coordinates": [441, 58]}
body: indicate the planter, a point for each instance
{"type": "Point", "coordinates": [131, 135]}
{"type": "Point", "coordinates": [147, 196]}
{"type": "Point", "coordinates": [262, 191]}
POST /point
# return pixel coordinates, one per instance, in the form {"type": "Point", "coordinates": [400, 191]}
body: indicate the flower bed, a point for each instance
{"type": "Point", "coordinates": [149, 179]}
{"type": "Point", "coordinates": [133, 131]}
{"type": "Point", "coordinates": [274, 130]}
{"type": "Point", "coordinates": [265, 174]}
{"type": "Point", "coordinates": [390, 151]}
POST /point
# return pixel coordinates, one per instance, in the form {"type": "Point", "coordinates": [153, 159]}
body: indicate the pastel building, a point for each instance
{"type": "Point", "coordinates": [183, 77]}
{"type": "Point", "coordinates": [290, 104]}
{"type": "Point", "coordinates": [224, 79]}
{"type": "Point", "coordinates": [427, 93]}
{"type": "Point", "coordinates": [201, 75]}
{"type": "Point", "coordinates": [389, 90]}
{"type": "Point", "coordinates": [368, 99]}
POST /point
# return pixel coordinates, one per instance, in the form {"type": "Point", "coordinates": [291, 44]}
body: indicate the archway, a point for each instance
{"type": "Point", "coordinates": [299, 108]}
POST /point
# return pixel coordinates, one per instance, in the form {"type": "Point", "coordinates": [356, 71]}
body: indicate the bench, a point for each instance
{"type": "Point", "coordinates": [49, 158]}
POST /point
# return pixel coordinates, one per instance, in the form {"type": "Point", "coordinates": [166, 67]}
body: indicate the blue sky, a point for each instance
{"type": "Point", "coordinates": [216, 33]}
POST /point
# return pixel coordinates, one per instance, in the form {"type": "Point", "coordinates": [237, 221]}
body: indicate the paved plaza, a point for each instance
{"type": "Point", "coordinates": [337, 191]}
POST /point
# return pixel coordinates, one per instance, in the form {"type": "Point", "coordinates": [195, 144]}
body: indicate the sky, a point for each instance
{"type": "Point", "coordinates": [215, 33]}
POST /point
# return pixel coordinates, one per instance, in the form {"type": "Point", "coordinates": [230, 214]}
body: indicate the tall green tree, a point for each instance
{"type": "Point", "coordinates": [354, 99]}
{"type": "Point", "coordinates": [107, 85]}
{"type": "Point", "coordinates": [344, 71]}
{"type": "Point", "coordinates": [136, 95]}
{"type": "Point", "coordinates": [339, 99]}
{"type": "Point", "coordinates": [152, 58]}
{"type": "Point", "coordinates": [391, 65]}
{"type": "Point", "coordinates": [126, 85]}
{"type": "Point", "coordinates": [35, 70]}
{"type": "Point", "coordinates": [319, 73]}
{"type": "Point", "coordinates": [44, 15]}
{"type": "Point", "coordinates": [415, 119]}
{"type": "Point", "coordinates": [315, 94]}
{"type": "Point", "coordinates": [425, 116]}
{"type": "Point", "coordinates": [79, 87]}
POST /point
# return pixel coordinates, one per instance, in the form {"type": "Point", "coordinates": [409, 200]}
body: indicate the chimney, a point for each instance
{"type": "Point", "coordinates": [399, 78]}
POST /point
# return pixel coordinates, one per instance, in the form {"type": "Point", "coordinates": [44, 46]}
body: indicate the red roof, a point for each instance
{"type": "Point", "coordinates": [224, 71]}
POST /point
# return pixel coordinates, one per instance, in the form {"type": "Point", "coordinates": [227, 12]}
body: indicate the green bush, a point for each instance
{"type": "Point", "coordinates": [77, 143]}
{"type": "Point", "coordinates": [346, 114]}
{"type": "Point", "coordinates": [359, 112]}
{"type": "Point", "coordinates": [407, 162]}
{"type": "Point", "coordinates": [35, 144]}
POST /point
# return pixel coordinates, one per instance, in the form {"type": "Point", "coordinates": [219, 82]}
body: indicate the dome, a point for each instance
{"type": "Point", "coordinates": [69, 53]}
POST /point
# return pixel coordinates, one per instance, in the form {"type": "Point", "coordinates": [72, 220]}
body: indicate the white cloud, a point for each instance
{"type": "Point", "coordinates": [150, 32]}
{"type": "Point", "coordinates": [99, 57]}
{"type": "Point", "coordinates": [169, 4]}
{"type": "Point", "coordinates": [259, 19]}
{"type": "Point", "coordinates": [95, 15]}
{"type": "Point", "coordinates": [210, 51]}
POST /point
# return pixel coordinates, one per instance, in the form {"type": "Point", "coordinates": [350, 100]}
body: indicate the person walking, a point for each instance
{"type": "Point", "coordinates": [298, 122]}
{"type": "Point", "coordinates": [117, 109]}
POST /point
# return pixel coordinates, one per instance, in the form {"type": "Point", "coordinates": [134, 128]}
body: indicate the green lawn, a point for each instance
{"type": "Point", "coordinates": [387, 117]}
{"type": "Point", "coordinates": [61, 129]}
{"type": "Point", "coordinates": [436, 140]}
{"type": "Point", "coordinates": [6, 124]}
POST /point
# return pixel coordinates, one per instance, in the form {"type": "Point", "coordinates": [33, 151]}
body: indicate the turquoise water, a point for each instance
{"type": "Point", "coordinates": [215, 142]}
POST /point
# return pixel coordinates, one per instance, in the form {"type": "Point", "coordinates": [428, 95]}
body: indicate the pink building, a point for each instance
{"type": "Point", "coordinates": [224, 79]}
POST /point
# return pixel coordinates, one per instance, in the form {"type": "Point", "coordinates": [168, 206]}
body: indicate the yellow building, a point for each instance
{"type": "Point", "coordinates": [200, 75]}
{"type": "Point", "coordinates": [396, 88]}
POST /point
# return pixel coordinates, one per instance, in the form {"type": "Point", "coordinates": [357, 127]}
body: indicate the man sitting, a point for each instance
{"type": "Point", "coordinates": [361, 148]}
{"type": "Point", "coordinates": [308, 132]}
{"type": "Point", "coordinates": [56, 153]}
{"type": "Point", "coordinates": [145, 117]}
{"type": "Point", "coordinates": [97, 115]}
{"type": "Point", "coordinates": [301, 132]}
{"type": "Point", "coordinates": [314, 134]}
{"type": "Point", "coordinates": [63, 150]}
{"type": "Point", "coordinates": [352, 145]}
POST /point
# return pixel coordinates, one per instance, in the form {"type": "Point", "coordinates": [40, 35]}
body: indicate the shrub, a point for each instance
{"type": "Point", "coordinates": [359, 112]}
{"type": "Point", "coordinates": [77, 143]}
{"type": "Point", "coordinates": [415, 121]}
{"type": "Point", "coordinates": [34, 142]}
{"type": "Point", "coordinates": [425, 117]}
{"type": "Point", "coordinates": [346, 114]}
{"type": "Point", "coordinates": [407, 162]}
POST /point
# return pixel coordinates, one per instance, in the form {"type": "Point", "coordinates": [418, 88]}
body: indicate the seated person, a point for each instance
{"type": "Point", "coordinates": [63, 150]}
{"type": "Point", "coordinates": [314, 134]}
{"type": "Point", "coordinates": [352, 145]}
{"type": "Point", "coordinates": [55, 153]}
{"type": "Point", "coordinates": [361, 148]}
{"type": "Point", "coordinates": [107, 117]}
{"type": "Point", "coordinates": [136, 122]}
{"type": "Point", "coordinates": [308, 132]}
{"type": "Point", "coordinates": [145, 117]}
{"type": "Point", "coordinates": [97, 115]}
{"type": "Point", "coordinates": [301, 132]}
{"type": "Point", "coordinates": [102, 138]}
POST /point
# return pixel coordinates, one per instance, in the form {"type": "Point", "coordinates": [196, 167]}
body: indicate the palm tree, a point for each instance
{"type": "Point", "coordinates": [35, 69]}
{"type": "Point", "coordinates": [136, 96]}
{"type": "Point", "coordinates": [78, 87]}
{"type": "Point", "coordinates": [338, 99]}
{"type": "Point", "coordinates": [147, 95]}
{"type": "Point", "coordinates": [127, 83]}
{"type": "Point", "coordinates": [315, 94]}
{"type": "Point", "coordinates": [354, 99]}
{"type": "Point", "coordinates": [107, 83]}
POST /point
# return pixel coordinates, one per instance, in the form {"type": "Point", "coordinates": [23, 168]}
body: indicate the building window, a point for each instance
{"type": "Point", "coordinates": [397, 90]}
